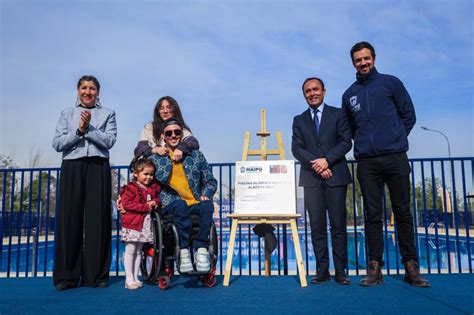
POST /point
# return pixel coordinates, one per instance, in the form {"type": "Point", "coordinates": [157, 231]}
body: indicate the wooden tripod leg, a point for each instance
{"type": "Point", "coordinates": [245, 150]}
{"type": "Point", "coordinates": [230, 252]}
{"type": "Point", "coordinates": [299, 257]}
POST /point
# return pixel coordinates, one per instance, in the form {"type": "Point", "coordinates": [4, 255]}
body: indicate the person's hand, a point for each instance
{"type": "Point", "coordinates": [326, 174]}
{"type": "Point", "coordinates": [319, 165]}
{"type": "Point", "coordinates": [152, 204]}
{"type": "Point", "coordinates": [203, 198]}
{"type": "Point", "coordinates": [177, 155]}
{"type": "Point", "coordinates": [160, 150]}
{"type": "Point", "coordinates": [119, 205]}
{"type": "Point", "coordinates": [84, 121]}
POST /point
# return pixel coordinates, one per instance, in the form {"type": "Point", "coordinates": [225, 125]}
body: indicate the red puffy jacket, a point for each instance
{"type": "Point", "coordinates": [134, 201]}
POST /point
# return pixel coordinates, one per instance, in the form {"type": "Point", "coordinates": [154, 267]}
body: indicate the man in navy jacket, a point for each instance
{"type": "Point", "coordinates": [381, 115]}
{"type": "Point", "coordinates": [321, 138]}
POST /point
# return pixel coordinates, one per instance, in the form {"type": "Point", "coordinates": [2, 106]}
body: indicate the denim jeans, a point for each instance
{"type": "Point", "coordinates": [182, 219]}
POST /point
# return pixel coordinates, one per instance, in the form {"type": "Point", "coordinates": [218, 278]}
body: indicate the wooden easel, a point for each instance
{"type": "Point", "coordinates": [263, 152]}
{"type": "Point", "coordinates": [264, 218]}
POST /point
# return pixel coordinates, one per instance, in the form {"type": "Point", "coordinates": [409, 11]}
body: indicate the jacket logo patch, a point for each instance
{"type": "Point", "coordinates": [355, 106]}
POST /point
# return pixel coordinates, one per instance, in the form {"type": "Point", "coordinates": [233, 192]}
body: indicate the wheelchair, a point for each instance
{"type": "Point", "coordinates": [159, 257]}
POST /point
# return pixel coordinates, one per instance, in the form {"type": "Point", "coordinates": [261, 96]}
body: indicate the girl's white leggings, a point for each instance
{"type": "Point", "coordinates": [131, 261]}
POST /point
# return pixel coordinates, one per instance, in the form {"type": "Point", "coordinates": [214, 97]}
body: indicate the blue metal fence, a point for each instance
{"type": "Point", "coordinates": [442, 199]}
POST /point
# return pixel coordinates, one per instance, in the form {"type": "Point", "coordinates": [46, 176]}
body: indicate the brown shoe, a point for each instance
{"type": "Point", "coordinates": [412, 275]}
{"type": "Point", "coordinates": [374, 275]}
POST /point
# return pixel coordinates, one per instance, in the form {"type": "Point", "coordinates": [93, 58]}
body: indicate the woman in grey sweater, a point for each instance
{"type": "Point", "coordinates": [84, 134]}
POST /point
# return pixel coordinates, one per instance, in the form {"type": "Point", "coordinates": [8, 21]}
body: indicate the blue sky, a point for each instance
{"type": "Point", "coordinates": [223, 61]}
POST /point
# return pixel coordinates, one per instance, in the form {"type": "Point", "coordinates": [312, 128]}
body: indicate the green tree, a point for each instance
{"type": "Point", "coordinates": [119, 178]}
{"type": "Point", "coordinates": [6, 180]}
{"type": "Point", "coordinates": [425, 195]}
{"type": "Point", "coordinates": [39, 193]}
{"type": "Point", "coordinates": [428, 196]}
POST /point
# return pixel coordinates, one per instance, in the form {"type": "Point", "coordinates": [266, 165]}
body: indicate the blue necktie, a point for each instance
{"type": "Point", "coordinates": [316, 120]}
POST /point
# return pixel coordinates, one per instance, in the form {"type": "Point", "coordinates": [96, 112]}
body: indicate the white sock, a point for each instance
{"type": "Point", "coordinates": [138, 258]}
{"type": "Point", "coordinates": [129, 261]}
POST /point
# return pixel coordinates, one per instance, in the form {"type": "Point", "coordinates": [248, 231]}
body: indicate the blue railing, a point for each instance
{"type": "Point", "coordinates": [442, 199]}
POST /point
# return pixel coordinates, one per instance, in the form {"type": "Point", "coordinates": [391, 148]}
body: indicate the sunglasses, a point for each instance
{"type": "Point", "coordinates": [177, 133]}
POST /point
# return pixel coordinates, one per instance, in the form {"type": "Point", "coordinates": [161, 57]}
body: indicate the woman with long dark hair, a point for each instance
{"type": "Point", "coordinates": [151, 139]}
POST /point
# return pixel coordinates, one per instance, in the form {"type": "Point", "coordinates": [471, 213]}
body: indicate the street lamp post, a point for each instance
{"type": "Point", "coordinates": [447, 140]}
{"type": "Point", "coordinates": [444, 196]}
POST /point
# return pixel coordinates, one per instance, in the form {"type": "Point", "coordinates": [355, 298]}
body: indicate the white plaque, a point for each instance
{"type": "Point", "coordinates": [265, 187]}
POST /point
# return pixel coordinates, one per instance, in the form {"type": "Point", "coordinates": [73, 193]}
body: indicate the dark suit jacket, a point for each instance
{"type": "Point", "coordinates": [332, 142]}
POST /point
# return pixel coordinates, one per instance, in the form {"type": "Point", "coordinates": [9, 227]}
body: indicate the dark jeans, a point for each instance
{"type": "Point", "coordinates": [182, 218]}
{"type": "Point", "coordinates": [373, 173]}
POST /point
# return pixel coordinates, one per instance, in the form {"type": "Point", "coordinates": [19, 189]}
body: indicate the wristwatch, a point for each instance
{"type": "Point", "coordinates": [79, 133]}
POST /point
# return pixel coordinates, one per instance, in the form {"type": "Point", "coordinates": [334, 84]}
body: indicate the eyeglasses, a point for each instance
{"type": "Point", "coordinates": [177, 133]}
{"type": "Point", "coordinates": [163, 108]}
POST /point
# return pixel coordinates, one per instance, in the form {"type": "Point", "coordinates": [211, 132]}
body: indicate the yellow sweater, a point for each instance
{"type": "Point", "coordinates": [179, 182]}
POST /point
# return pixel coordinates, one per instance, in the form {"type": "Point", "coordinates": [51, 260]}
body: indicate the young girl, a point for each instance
{"type": "Point", "coordinates": [138, 199]}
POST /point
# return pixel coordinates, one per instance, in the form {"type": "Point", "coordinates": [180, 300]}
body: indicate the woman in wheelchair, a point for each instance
{"type": "Point", "coordinates": [187, 188]}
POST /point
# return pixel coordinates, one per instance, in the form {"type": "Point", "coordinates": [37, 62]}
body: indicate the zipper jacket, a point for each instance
{"type": "Point", "coordinates": [380, 113]}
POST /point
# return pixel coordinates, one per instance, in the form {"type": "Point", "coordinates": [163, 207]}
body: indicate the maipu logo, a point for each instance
{"type": "Point", "coordinates": [251, 169]}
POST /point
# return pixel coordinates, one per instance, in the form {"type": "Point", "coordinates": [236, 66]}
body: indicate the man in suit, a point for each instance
{"type": "Point", "coordinates": [321, 138]}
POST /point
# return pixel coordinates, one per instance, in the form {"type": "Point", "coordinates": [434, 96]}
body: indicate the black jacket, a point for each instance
{"type": "Point", "coordinates": [332, 142]}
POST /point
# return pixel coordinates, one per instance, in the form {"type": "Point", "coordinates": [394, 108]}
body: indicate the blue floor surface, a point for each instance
{"type": "Point", "coordinates": [449, 294]}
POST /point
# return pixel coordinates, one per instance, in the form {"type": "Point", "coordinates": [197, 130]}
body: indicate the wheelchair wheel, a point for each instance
{"type": "Point", "coordinates": [168, 272]}
{"type": "Point", "coordinates": [164, 282]}
{"type": "Point", "coordinates": [152, 253]}
{"type": "Point", "coordinates": [213, 245]}
{"type": "Point", "coordinates": [210, 280]}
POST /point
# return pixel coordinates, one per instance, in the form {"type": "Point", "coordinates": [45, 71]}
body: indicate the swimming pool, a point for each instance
{"type": "Point", "coordinates": [435, 255]}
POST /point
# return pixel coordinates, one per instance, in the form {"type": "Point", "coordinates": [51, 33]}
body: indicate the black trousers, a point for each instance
{"type": "Point", "coordinates": [373, 173]}
{"type": "Point", "coordinates": [83, 223]}
{"type": "Point", "coordinates": [319, 200]}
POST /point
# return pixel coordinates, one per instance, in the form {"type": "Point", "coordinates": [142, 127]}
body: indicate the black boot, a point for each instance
{"type": "Point", "coordinates": [323, 275]}
{"type": "Point", "coordinates": [341, 277]}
